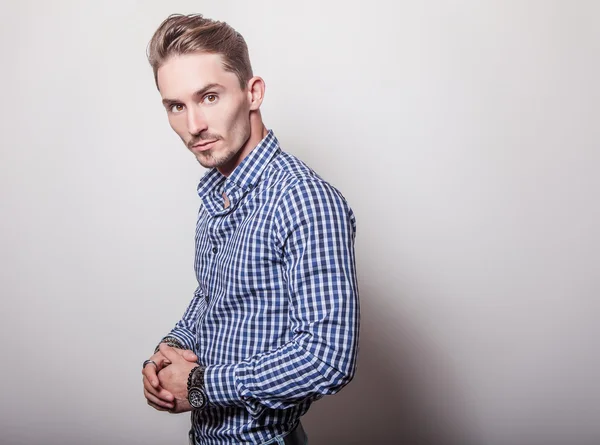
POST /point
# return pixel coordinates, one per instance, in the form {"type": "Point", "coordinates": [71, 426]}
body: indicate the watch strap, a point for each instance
{"type": "Point", "coordinates": [195, 387]}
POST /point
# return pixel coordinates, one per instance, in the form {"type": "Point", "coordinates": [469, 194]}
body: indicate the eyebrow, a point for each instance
{"type": "Point", "coordinates": [201, 92]}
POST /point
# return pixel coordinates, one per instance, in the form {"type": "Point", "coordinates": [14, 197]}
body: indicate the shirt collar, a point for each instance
{"type": "Point", "coordinates": [243, 178]}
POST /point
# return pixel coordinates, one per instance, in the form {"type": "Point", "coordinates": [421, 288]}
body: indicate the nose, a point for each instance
{"type": "Point", "coordinates": [196, 121]}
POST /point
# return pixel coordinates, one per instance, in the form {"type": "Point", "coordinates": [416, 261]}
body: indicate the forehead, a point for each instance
{"type": "Point", "coordinates": [182, 75]}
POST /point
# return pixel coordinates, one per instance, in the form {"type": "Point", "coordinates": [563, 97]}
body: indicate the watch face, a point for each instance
{"type": "Point", "coordinates": [197, 398]}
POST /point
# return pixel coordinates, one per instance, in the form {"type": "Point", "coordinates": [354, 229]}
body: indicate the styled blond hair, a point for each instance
{"type": "Point", "coordinates": [185, 34]}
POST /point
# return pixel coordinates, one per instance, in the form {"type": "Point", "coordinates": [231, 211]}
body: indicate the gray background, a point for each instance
{"type": "Point", "coordinates": [466, 136]}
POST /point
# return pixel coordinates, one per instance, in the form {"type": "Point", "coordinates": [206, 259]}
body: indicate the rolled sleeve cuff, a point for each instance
{"type": "Point", "coordinates": [223, 388]}
{"type": "Point", "coordinates": [186, 339]}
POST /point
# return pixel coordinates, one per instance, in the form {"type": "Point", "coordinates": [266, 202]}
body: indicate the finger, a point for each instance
{"type": "Point", "coordinates": [181, 352]}
{"type": "Point", "coordinates": [189, 356]}
{"type": "Point", "coordinates": [151, 398]}
{"type": "Point", "coordinates": [149, 373]}
{"type": "Point", "coordinates": [157, 402]}
{"type": "Point", "coordinates": [159, 393]}
{"type": "Point", "coordinates": [160, 360]}
{"type": "Point", "coordinates": [169, 353]}
{"type": "Point", "coordinates": [156, 406]}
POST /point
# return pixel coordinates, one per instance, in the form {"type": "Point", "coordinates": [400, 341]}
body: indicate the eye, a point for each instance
{"type": "Point", "coordinates": [176, 108]}
{"type": "Point", "coordinates": [210, 98]}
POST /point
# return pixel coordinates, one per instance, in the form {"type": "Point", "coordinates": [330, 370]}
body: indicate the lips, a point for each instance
{"type": "Point", "coordinates": [204, 145]}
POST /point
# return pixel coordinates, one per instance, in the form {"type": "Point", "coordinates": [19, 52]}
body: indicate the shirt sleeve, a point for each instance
{"type": "Point", "coordinates": [314, 229]}
{"type": "Point", "coordinates": [185, 329]}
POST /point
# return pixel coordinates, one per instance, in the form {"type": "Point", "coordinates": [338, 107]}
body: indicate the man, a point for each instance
{"type": "Point", "coordinates": [273, 323]}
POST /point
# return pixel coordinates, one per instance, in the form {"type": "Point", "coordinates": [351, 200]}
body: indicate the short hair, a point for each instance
{"type": "Point", "coordinates": [182, 34]}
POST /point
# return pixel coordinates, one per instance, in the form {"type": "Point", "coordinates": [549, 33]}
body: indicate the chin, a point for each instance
{"type": "Point", "coordinates": [209, 161]}
{"type": "Point", "coordinates": [206, 163]}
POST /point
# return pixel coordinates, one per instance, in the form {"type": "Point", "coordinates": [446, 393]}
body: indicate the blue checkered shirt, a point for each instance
{"type": "Point", "coordinates": [275, 316]}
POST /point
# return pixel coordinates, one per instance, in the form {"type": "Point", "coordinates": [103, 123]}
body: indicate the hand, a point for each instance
{"type": "Point", "coordinates": [158, 397]}
{"type": "Point", "coordinates": [173, 378]}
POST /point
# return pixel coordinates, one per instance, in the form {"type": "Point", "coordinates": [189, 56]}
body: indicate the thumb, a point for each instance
{"type": "Point", "coordinates": [168, 352]}
{"type": "Point", "coordinates": [189, 356]}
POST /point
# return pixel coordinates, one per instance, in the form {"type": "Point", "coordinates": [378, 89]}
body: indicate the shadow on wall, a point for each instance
{"type": "Point", "coordinates": [402, 392]}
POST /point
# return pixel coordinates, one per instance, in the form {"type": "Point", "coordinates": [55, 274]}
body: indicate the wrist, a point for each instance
{"type": "Point", "coordinates": [196, 390]}
{"type": "Point", "coordinates": [170, 341]}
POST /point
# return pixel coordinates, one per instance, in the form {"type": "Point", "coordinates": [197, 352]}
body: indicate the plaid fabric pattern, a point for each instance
{"type": "Point", "coordinates": [275, 316]}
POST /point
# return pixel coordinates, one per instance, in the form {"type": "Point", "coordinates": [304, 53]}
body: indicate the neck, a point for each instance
{"type": "Point", "coordinates": [258, 131]}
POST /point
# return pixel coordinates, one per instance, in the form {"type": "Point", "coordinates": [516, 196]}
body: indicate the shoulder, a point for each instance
{"type": "Point", "coordinates": [306, 198]}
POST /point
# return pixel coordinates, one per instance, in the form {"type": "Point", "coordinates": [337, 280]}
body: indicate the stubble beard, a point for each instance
{"type": "Point", "coordinates": [209, 160]}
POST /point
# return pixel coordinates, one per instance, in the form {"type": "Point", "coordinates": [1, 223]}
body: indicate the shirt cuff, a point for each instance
{"type": "Point", "coordinates": [186, 339]}
{"type": "Point", "coordinates": [223, 388]}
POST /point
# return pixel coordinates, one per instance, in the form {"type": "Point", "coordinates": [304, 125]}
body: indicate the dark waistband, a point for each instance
{"type": "Point", "coordinates": [295, 437]}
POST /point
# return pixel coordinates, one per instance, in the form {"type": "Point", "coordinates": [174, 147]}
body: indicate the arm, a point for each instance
{"type": "Point", "coordinates": [182, 338]}
{"type": "Point", "coordinates": [314, 228]}
{"type": "Point", "coordinates": [183, 335]}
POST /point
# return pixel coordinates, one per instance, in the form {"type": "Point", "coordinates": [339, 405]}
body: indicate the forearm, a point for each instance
{"type": "Point", "coordinates": [184, 331]}
{"type": "Point", "coordinates": [281, 378]}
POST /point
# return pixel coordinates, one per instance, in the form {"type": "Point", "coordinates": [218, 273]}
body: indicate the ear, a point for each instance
{"type": "Point", "coordinates": [256, 92]}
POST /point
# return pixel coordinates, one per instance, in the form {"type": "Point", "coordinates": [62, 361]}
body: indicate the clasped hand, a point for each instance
{"type": "Point", "coordinates": [165, 385]}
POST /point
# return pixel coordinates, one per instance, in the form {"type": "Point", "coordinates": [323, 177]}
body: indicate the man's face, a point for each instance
{"type": "Point", "coordinates": [206, 107]}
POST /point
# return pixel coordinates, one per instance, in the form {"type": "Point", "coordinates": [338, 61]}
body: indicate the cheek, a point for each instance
{"type": "Point", "coordinates": [239, 122]}
{"type": "Point", "coordinates": [230, 119]}
{"type": "Point", "coordinates": [178, 126]}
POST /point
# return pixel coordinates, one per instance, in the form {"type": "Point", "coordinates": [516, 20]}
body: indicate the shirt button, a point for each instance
{"type": "Point", "coordinates": [215, 250]}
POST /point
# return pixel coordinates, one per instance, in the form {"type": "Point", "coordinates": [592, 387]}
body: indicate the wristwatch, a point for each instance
{"type": "Point", "coordinates": [195, 386]}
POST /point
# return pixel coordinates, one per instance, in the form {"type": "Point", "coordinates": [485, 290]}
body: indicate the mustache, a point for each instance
{"type": "Point", "coordinates": [202, 137]}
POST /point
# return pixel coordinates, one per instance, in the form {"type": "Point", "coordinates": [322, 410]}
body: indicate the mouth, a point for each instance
{"type": "Point", "coordinates": [204, 145]}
